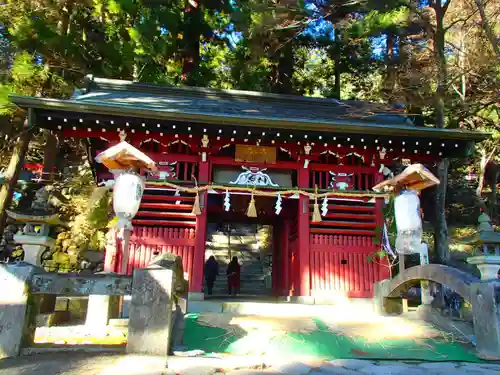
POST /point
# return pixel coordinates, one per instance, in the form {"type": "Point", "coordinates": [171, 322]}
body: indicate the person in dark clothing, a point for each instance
{"type": "Point", "coordinates": [211, 273]}
{"type": "Point", "coordinates": [233, 277]}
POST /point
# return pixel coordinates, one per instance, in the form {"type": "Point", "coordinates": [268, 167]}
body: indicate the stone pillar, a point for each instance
{"type": "Point", "coordinates": [485, 299]}
{"type": "Point", "coordinates": [383, 305]}
{"type": "Point", "coordinates": [100, 309]}
{"type": "Point", "coordinates": [425, 291]}
{"type": "Point", "coordinates": [15, 309]}
{"type": "Point", "coordinates": [150, 317]}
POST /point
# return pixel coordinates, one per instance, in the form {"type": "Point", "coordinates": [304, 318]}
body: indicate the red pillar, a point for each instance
{"type": "Point", "coordinates": [196, 279]}
{"type": "Point", "coordinates": [277, 269]}
{"type": "Point", "coordinates": [285, 259]}
{"type": "Point", "coordinates": [384, 267]}
{"type": "Point", "coordinates": [304, 275]}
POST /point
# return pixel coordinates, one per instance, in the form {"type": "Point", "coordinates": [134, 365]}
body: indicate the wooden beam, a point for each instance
{"type": "Point", "coordinates": [335, 207]}
{"type": "Point", "coordinates": [168, 198]}
{"type": "Point", "coordinates": [350, 216]}
{"type": "Point", "coordinates": [165, 214]}
{"type": "Point", "coordinates": [164, 223]}
{"type": "Point", "coordinates": [352, 224]}
{"type": "Point", "coordinates": [168, 206]}
{"type": "Point", "coordinates": [343, 231]}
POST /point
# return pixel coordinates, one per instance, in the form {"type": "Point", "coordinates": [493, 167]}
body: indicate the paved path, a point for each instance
{"type": "Point", "coordinates": [100, 364]}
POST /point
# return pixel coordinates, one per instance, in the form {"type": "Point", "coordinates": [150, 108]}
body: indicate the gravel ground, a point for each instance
{"type": "Point", "coordinates": [109, 364]}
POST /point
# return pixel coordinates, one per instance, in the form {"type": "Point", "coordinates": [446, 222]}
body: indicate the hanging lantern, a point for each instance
{"type": "Point", "coordinates": [408, 222]}
{"type": "Point", "coordinates": [127, 195]}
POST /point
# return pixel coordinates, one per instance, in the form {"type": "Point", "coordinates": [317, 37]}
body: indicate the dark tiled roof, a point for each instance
{"type": "Point", "coordinates": [231, 103]}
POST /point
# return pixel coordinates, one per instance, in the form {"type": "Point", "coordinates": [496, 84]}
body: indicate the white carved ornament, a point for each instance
{"type": "Point", "coordinates": [168, 171]}
{"type": "Point", "coordinates": [341, 181]}
{"type": "Point", "coordinates": [254, 177]}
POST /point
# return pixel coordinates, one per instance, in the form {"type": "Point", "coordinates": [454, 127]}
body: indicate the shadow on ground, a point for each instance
{"type": "Point", "coordinates": [315, 338]}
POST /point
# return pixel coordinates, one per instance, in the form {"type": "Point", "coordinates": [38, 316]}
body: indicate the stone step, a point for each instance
{"type": "Point", "coordinates": [343, 309]}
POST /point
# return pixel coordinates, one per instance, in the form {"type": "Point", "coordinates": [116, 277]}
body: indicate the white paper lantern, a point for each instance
{"type": "Point", "coordinates": [127, 195]}
{"type": "Point", "coordinates": [408, 222]}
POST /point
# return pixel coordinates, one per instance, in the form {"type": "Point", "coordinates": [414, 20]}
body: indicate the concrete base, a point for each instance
{"type": "Point", "coordinates": [194, 296]}
{"type": "Point", "coordinates": [100, 309]}
{"type": "Point", "coordinates": [55, 318]}
{"type": "Point", "coordinates": [204, 306]}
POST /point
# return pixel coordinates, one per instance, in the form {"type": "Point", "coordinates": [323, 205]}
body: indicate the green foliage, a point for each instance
{"type": "Point", "coordinates": [46, 48]}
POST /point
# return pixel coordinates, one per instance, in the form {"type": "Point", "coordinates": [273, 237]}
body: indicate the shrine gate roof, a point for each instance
{"type": "Point", "coordinates": [125, 98]}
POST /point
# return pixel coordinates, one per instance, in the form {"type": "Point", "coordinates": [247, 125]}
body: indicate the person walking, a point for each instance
{"type": "Point", "coordinates": [233, 277]}
{"type": "Point", "coordinates": [211, 273]}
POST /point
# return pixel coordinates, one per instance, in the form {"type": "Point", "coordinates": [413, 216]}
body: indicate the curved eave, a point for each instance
{"type": "Point", "coordinates": [340, 126]}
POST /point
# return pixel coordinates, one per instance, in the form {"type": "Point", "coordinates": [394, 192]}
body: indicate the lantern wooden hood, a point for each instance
{"type": "Point", "coordinates": [414, 177]}
{"type": "Point", "coordinates": [124, 156]}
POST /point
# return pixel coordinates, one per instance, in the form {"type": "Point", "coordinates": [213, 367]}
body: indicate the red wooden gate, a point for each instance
{"type": "Point", "coordinates": [340, 265]}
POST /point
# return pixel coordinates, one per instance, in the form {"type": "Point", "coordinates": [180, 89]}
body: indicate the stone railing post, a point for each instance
{"type": "Point", "coordinates": [382, 304]}
{"type": "Point", "coordinates": [15, 307]}
{"type": "Point", "coordinates": [485, 299]}
{"type": "Point", "coordinates": [150, 317]}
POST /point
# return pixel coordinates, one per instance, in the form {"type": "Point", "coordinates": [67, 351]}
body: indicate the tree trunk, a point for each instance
{"type": "Point", "coordinates": [191, 48]}
{"type": "Point", "coordinates": [285, 69]}
{"type": "Point", "coordinates": [337, 67]}
{"type": "Point", "coordinates": [440, 225]}
{"type": "Point", "coordinates": [495, 174]}
{"type": "Point", "coordinates": [13, 171]}
{"type": "Point", "coordinates": [439, 53]}
{"type": "Point", "coordinates": [49, 155]}
{"type": "Point", "coordinates": [390, 78]}
{"type": "Point", "coordinates": [488, 30]}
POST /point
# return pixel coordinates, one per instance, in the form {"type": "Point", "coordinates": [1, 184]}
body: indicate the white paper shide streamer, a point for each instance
{"type": "Point", "coordinates": [278, 207]}
{"type": "Point", "coordinates": [227, 201]}
{"type": "Point", "coordinates": [324, 207]}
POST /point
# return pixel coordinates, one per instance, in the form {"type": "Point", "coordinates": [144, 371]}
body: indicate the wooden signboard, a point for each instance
{"type": "Point", "coordinates": [255, 154]}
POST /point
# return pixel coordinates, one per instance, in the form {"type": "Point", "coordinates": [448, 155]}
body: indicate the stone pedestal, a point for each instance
{"type": "Point", "coordinates": [485, 308]}
{"type": "Point", "coordinates": [487, 265]}
{"type": "Point", "coordinates": [150, 311]}
{"type": "Point", "coordinates": [14, 306]}
{"type": "Point", "coordinates": [100, 309]}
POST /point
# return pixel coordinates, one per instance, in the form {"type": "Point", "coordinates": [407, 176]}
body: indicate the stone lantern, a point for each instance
{"type": "Point", "coordinates": [35, 236]}
{"type": "Point", "coordinates": [486, 239]}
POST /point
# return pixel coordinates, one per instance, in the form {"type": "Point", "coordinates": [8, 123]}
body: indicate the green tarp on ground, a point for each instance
{"type": "Point", "coordinates": [321, 343]}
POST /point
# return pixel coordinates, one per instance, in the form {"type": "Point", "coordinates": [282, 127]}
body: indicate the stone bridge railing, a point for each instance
{"type": "Point", "coordinates": [483, 295]}
{"type": "Point", "coordinates": [23, 288]}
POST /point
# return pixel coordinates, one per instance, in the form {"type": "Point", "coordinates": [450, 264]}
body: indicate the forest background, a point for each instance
{"type": "Point", "coordinates": [439, 60]}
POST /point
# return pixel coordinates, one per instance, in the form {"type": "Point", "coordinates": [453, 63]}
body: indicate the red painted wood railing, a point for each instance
{"type": "Point", "coordinates": [146, 241]}
{"type": "Point", "coordinates": [340, 265]}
